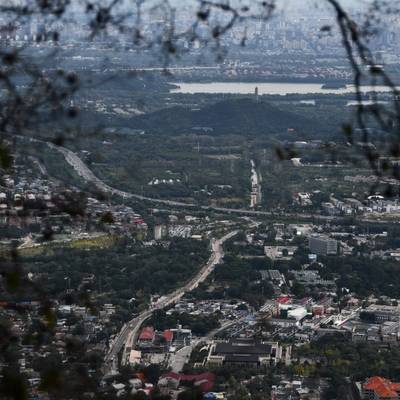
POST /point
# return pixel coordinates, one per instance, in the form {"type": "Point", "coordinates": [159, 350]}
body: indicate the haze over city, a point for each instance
{"type": "Point", "coordinates": [199, 200]}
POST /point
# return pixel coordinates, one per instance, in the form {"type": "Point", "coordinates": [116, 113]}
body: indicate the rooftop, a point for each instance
{"type": "Point", "coordinates": [384, 388]}
{"type": "Point", "coordinates": [242, 347]}
{"type": "Point", "coordinates": [147, 333]}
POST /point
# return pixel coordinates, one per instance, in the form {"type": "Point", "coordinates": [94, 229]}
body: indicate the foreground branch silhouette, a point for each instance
{"type": "Point", "coordinates": [34, 99]}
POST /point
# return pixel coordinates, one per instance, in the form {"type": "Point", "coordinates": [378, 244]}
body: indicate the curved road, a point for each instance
{"type": "Point", "coordinates": [84, 172]}
{"type": "Point", "coordinates": [130, 330]}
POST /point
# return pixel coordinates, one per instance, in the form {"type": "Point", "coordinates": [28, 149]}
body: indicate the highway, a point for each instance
{"type": "Point", "coordinates": [129, 331]}
{"type": "Point", "coordinates": [85, 173]}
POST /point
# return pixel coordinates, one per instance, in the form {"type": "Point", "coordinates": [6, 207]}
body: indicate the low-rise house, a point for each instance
{"type": "Point", "coordinates": [380, 313]}
{"type": "Point", "coordinates": [146, 336]}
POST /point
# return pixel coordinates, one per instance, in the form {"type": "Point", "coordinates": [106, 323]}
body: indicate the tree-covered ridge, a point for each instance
{"type": "Point", "coordinates": [242, 116]}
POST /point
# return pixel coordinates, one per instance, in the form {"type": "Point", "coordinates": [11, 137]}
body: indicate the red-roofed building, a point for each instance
{"type": "Point", "coordinates": [283, 300]}
{"type": "Point", "coordinates": [147, 335]}
{"type": "Point", "coordinates": [168, 336]}
{"type": "Point", "coordinates": [203, 381]}
{"type": "Point", "coordinates": [378, 388]}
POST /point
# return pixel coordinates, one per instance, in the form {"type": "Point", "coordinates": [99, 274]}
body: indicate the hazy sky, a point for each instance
{"type": "Point", "coordinates": [306, 4]}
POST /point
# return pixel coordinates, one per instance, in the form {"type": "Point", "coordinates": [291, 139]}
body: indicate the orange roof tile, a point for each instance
{"type": "Point", "coordinates": [384, 388]}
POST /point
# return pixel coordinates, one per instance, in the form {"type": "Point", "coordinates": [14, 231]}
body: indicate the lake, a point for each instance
{"type": "Point", "coordinates": [267, 88]}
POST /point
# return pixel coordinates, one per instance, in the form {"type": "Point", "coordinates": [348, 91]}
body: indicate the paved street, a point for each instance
{"type": "Point", "coordinates": [84, 172]}
{"type": "Point", "coordinates": [126, 337]}
{"type": "Point", "coordinates": [180, 358]}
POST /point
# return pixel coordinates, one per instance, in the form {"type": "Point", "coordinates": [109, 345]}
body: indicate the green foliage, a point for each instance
{"type": "Point", "coordinates": [200, 325]}
{"type": "Point", "coordinates": [152, 373]}
{"type": "Point", "coordinates": [336, 356]}
{"type": "Point", "coordinates": [191, 394]}
{"type": "Point", "coordinates": [6, 158]}
{"type": "Point", "coordinates": [122, 272]}
{"type": "Point", "coordinates": [242, 116]}
{"type": "Point", "coordinates": [364, 275]}
{"type": "Point", "coordinates": [242, 281]}
{"type": "Point", "coordinates": [107, 218]}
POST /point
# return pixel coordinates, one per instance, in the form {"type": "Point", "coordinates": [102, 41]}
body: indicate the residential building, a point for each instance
{"type": "Point", "coordinates": [147, 336]}
{"type": "Point", "coordinates": [380, 313]}
{"type": "Point", "coordinates": [323, 246]}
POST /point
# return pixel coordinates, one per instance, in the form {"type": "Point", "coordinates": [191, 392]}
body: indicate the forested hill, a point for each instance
{"type": "Point", "coordinates": [243, 116]}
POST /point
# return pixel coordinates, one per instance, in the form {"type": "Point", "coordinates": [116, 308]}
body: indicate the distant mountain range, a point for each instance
{"type": "Point", "coordinates": [243, 116]}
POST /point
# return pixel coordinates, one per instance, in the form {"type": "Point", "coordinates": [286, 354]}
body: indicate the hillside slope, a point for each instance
{"type": "Point", "coordinates": [244, 116]}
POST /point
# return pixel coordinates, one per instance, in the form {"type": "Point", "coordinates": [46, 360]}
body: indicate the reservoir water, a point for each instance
{"type": "Point", "coordinates": [272, 88]}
